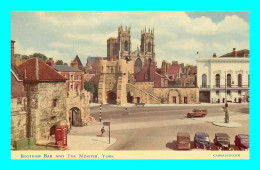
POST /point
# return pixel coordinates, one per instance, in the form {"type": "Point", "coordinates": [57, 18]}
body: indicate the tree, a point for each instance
{"type": "Point", "coordinates": [40, 56]}
{"type": "Point", "coordinates": [59, 62]}
{"type": "Point", "coordinates": [25, 57]}
{"type": "Point", "coordinates": [89, 87]}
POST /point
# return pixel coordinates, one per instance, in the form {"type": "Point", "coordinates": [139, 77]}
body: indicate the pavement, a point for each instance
{"type": "Point", "coordinates": [76, 142]}
{"type": "Point", "coordinates": [167, 105]}
{"type": "Point", "coordinates": [229, 125]}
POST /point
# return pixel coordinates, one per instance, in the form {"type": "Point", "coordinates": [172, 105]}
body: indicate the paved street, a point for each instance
{"type": "Point", "coordinates": [156, 127]}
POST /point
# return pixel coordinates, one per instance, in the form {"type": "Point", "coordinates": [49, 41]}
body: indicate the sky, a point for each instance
{"type": "Point", "coordinates": [178, 35]}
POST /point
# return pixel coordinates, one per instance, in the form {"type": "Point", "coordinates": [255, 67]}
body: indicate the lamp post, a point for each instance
{"type": "Point", "coordinates": [226, 104]}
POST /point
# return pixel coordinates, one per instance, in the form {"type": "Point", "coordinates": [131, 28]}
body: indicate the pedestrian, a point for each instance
{"type": "Point", "coordinates": [126, 111]}
{"type": "Point", "coordinates": [102, 131]}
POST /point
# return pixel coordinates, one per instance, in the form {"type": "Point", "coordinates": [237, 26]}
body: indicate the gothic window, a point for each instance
{"type": "Point", "coordinates": [204, 81]}
{"type": "Point", "coordinates": [229, 80]}
{"type": "Point", "coordinates": [239, 80]}
{"type": "Point", "coordinates": [138, 65]}
{"type": "Point", "coordinates": [126, 46]}
{"type": "Point", "coordinates": [149, 47]}
{"type": "Point", "coordinates": [217, 80]}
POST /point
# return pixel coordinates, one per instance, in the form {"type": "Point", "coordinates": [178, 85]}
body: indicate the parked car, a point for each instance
{"type": "Point", "coordinates": [201, 140]}
{"type": "Point", "coordinates": [242, 141]}
{"type": "Point", "coordinates": [183, 141]}
{"type": "Point", "coordinates": [197, 113]}
{"type": "Point", "coordinates": [221, 141]}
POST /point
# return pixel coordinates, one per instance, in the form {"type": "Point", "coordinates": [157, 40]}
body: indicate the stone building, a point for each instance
{"type": "Point", "coordinates": [224, 78]}
{"type": "Point", "coordinates": [46, 99]}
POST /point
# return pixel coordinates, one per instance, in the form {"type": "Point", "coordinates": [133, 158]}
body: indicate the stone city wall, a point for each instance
{"type": "Point", "coordinates": [150, 95]}
{"type": "Point", "coordinates": [80, 100]}
{"type": "Point", "coordinates": [18, 119]}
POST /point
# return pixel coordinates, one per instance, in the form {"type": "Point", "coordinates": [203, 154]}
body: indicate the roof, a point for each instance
{"type": "Point", "coordinates": [17, 72]}
{"type": "Point", "coordinates": [45, 72]}
{"type": "Point", "coordinates": [91, 60]}
{"type": "Point", "coordinates": [243, 136]}
{"type": "Point", "coordinates": [201, 134]}
{"type": "Point", "coordinates": [174, 69]}
{"type": "Point", "coordinates": [65, 68]}
{"type": "Point", "coordinates": [240, 53]}
{"type": "Point", "coordinates": [184, 134]}
{"type": "Point", "coordinates": [221, 135]}
{"type": "Point", "coordinates": [78, 61]}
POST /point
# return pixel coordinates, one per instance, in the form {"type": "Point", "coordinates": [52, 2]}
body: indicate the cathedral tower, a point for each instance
{"type": "Point", "coordinates": [124, 42]}
{"type": "Point", "coordinates": [147, 43]}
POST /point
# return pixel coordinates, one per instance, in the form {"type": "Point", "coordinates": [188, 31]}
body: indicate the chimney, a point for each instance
{"type": "Point", "coordinates": [12, 52]}
{"type": "Point", "coordinates": [50, 62]}
{"type": "Point", "coordinates": [214, 55]}
{"type": "Point", "coordinates": [234, 52]}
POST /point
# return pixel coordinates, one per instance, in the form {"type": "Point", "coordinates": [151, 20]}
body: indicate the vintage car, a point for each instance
{"type": "Point", "coordinates": [183, 141]}
{"type": "Point", "coordinates": [221, 141]}
{"type": "Point", "coordinates": [242, 141]}
{"type": "Point", "coordinates": [197, 113]}
{"type": "Point", "coordinates": [201, 140]}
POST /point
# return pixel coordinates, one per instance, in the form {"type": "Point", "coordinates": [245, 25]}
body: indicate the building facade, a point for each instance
{"type": "Point", "coordinates": [225, 78]}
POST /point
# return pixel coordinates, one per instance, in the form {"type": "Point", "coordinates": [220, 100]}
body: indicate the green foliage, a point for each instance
{"type": "Point", "coordinates": [89, 86]}
{"type": "Point", "coordinates": [59, 62]}
{"type": "Point", "coordinates": [25, 57]}
{"type": "Point", "coordinates": [40, 56]}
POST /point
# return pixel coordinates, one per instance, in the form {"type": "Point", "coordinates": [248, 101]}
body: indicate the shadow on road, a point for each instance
{"type": "Point", "coordinates": [244, 110]}
{"type": "Point", "coordinates": [172, 145]}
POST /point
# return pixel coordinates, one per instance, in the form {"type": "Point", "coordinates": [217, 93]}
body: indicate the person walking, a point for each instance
{"type": "Point", "coordinates": [102, 131]}
{"type": "Point", "coordinates": [126, 111]}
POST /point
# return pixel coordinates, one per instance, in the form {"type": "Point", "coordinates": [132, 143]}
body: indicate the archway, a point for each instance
{"type": "Point", "coordinates": [111, 97]}
{"type": "Point", "coordinates": [75, 117]}
{"type": "Point", "coordinates": [174, 96]}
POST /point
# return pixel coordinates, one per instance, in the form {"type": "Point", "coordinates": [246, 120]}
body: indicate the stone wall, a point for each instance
{"type": "Point", "coordinates": [150, 95]}
{"type": "Point", "coordinates": [80, 100]}
{"type": "Point", "coordinates": [18, 119]}
{"type": "Point", "coordinates": [46, 108]}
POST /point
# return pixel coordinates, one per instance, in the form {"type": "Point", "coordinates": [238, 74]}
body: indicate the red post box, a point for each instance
{"type": "Point", "coordinates": [61, 135]}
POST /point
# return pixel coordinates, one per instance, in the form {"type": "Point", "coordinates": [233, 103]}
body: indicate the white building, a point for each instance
{"type": "Point", "coordinates": [224, 77]}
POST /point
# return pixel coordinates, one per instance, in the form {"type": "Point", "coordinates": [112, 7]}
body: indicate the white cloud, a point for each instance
{"type": "Point", "coordinates": [59, 45]}
{"type": "Point", "coordinates": [65, 34]}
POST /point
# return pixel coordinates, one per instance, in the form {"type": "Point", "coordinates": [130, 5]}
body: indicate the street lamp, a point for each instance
{"type": "Point", "coordinates": [226, 104]}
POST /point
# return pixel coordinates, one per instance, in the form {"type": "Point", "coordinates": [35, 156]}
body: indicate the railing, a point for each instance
{"type": "Point", "coordinates": [230, 86]}
{"type": "Point", "coordinates": [204, 86]}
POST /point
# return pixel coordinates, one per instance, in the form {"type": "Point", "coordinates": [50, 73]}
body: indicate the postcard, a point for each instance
{"type": "Point", "coordinates": [130, 85]}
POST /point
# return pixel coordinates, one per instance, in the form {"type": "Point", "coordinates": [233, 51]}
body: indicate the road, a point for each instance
{"type": "Point", "coordinates": [156, 128]}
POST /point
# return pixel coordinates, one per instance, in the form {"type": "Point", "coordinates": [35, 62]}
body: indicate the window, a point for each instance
{"type": "Point", "coordinates": [112, 70]}
{"type": "Point", "coordinates": [77, 87]}
{"type": "Point", "coordinates": [229, 80]}
{"type": "Point", "coordinates": [77, 77]}
{"type": "Point", "coordinates": [55, 102]}
{"type": "Point", "coordinates": [239, 80]}
{"type": "Point", "coordinates": [228, 92]}
{"type": "Point", "coordinates": [71, 87]}
{"type": "Point", "coordinates": [170, 77]}
{"type": "Point", "coordinates": [204, 81]}
{"type": "Point", "coordinates": [217, 80]}
{"type": "Point", "coordinates": [217, 92]}
{"type": "Point", "coordinates": [126, 46]}
{"type": "Point", "coordinates": [239, 92]}
{"type": "Point", "coordinates": [71, 77]}
{"type": "Point", "coordinates": [149, 47]}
